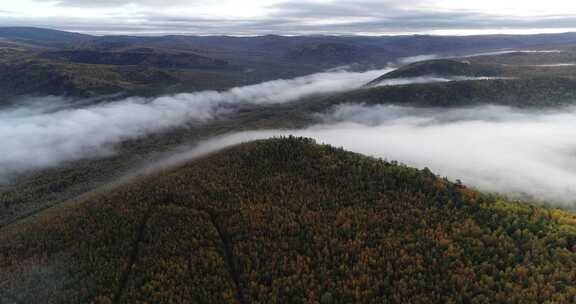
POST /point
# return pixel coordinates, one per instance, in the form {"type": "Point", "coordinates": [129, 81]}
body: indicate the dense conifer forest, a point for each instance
{"type": "Point", "coordinates": [289, 221]}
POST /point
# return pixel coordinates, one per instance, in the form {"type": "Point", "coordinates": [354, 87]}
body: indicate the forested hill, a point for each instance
{"type": "Point", "coordinates": [43, 62]}
{"type": "Point", "coordinates": [442, 67]}
{"type": "Point", "coordinates": [522, 93]}
{"type": "Point", "coordinates": [290, 221]}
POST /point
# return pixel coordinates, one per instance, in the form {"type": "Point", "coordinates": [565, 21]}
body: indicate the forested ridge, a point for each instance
{"type": "Point", "coordinates": [535, 93]}
{"type": "Point", "coordinates": [442, 68]}
{"type": "Point", "coordinates": [290, 221]}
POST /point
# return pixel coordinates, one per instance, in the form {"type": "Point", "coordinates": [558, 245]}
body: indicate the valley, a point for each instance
{"type": "Point", "coordinates": [311, 169]}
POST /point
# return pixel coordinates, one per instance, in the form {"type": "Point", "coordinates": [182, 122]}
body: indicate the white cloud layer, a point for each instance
{"type": "Point", "coordinates": [492, 148]}
{"type": "Point", "coordinates": [44, 132]}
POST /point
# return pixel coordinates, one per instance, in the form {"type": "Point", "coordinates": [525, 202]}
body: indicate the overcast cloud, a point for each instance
{"type": "Point", "coordinates": [253, 17]}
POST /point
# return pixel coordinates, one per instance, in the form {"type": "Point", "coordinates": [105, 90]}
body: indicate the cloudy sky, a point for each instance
{"type": "Point", "coordinates": [256, 17]}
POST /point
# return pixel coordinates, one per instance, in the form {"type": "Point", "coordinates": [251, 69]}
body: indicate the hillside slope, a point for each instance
{"type": "Point", "coordinates": [23, 74]}
{"type": "Point", "coordinates": [289, 221]}
{"type": "Point", "coordinates": [33, 37]}
{"type": "Point", "coordinates": [537, 93]}
{"type": "Point", "coordinates": [139, 57]}
{"type": "Point", "coordinates": [441, 67]}
{"type": "Point", "coordinates": [78, 65]}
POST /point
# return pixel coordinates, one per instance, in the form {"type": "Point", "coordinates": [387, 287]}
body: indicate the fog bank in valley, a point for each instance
{"type": "Point", "coordinates": [43, 132]}
{"type": "Point", "coordinates": [429, 79]}
{"type": "Point", "coordinates": [492, 148]}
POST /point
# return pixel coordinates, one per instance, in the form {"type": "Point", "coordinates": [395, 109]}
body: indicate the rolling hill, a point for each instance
{"type": "Point", "coordinates": [40, 37]}
{"type": "Point", "coordinates": [79, 65]}
{"type": "Point", "coordinates": [333, 54]}
{"type": "Point", "coordinates": [147, 57]}
{"type": "Point", "coordinates": [44, 188]}
{"type": "Point", "coordinates": [544, 88]}
{"type": "Point", "coordinates": [289, 221]}
{"type": "Point", "coordinates": [441, 68]}
{"type": "Point", "coordinates": [542, 92]}
{"type": "Point", "coordinates": [503, 79]}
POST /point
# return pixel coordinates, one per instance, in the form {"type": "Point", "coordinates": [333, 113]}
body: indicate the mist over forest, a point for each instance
{"type": "Point", "coordinates": [517, 152]}
{"type": "Point", "coordinates": [319, 161]}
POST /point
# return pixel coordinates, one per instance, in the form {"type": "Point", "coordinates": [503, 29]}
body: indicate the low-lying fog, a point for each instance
{"type": "Point", "coordinates": [414, 59]}
{"type": "Point", "coordinates": [492, 148]}
{"type": "Point", "coordinates": [43, 132]}
{"type": "Point", "coordinates": [430, 79]}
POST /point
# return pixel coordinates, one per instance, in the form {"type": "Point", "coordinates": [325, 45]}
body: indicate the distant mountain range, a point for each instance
{"type": "Point", "coordinates": [416, 44]}
{"type": "Point", "coordinates": [65, 63]}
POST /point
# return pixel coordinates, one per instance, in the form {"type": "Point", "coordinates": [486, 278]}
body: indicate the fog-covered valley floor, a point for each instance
{"type": "Point", "coordinates": [44, 132]}
{"type": "Point", "coordinates": [493, 148]}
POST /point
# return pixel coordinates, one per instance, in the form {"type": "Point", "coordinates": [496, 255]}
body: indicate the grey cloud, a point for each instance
{"type": "Point", "coordinates": [344, 8]}
{"type": "Point", "coordinates": [116, 3]}
{"type": "Point", "coordinates": [297, 17]}
{"type": "Point", "coordinates": [393, 16]}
